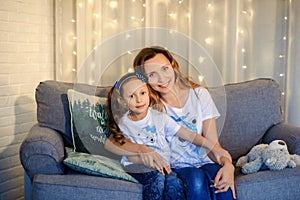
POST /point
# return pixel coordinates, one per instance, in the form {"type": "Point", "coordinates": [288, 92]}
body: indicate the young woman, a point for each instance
{"type": "Point", "coordinates": [191, 106]}
{"type": "Point", "coordinates": [144, 125]}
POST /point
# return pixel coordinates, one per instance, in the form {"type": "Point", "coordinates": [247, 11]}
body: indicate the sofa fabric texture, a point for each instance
{"type": "Point", "coordinates": [253, 116]}
{"type": "Point", "coordinates": [82, 187]}
{"type": "Point", "coordinates": [252, 108]}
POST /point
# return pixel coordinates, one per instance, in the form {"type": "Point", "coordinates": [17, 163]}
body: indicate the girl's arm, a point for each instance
{"type": "Point", "coordinates": [194, 138]}
{"type": "Point", "coordinates": [210, 132]}
{"type": "Point", "coordinates": [210, 144]}
{"type": "Point", "coordinates": [137, 153]}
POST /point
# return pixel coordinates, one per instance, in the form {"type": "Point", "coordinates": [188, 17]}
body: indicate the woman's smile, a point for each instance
{"type": "Point", "coordinates": [140, 106]}
{"type": "Point", "coordinates": [165, 85]}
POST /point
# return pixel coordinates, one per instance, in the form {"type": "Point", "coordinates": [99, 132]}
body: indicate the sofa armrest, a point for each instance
{"type": "Point", "coordinates": [42, 152]}
{"type": "Point", "coordinates": [289, 133]}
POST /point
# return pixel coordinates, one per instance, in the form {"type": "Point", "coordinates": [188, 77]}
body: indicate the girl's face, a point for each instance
{"type": "Point", "coordinates": [136, 95]}
{"type": "Point", "coordinates": [160, 73]}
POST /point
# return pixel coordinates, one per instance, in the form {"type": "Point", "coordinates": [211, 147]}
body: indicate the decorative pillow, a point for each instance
{"type": "Point", "coordinates": [88, 123]}
{"type": "Point", "coordinates": [96, 165]}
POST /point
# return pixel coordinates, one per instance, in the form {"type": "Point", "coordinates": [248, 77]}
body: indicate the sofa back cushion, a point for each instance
{"type": "Point", "coordinates": [53, 107]}
{"type": "Point", "coordinates": [252, 107]}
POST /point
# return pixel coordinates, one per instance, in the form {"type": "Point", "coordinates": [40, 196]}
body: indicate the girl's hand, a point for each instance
{"type": "Point", "coordinates": [225, 178]}
{"type": "Point", "coordinates": [153, 159]}
{"type": "Point", "coordinates": [150, 158]}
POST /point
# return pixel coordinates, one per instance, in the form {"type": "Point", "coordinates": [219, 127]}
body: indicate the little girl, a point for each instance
{"type": "Point", "coordinates": [141, 124]}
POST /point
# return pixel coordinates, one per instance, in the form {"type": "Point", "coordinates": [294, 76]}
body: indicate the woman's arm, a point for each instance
{"type": "Point", "coordinates": [225, 176]}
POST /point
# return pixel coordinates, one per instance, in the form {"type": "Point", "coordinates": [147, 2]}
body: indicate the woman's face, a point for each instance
{"type": "Point", "coordinates": [160, 73]}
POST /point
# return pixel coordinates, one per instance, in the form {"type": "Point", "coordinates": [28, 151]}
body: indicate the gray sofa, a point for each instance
{"type": "Point", "coordinates": [253, 116]}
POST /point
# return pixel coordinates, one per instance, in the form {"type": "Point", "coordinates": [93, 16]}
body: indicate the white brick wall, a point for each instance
{"type": "Point", "coordinates": [26, 58]}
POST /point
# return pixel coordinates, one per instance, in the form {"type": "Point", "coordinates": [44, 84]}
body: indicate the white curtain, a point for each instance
{"type": "Point", "coordinates": [215, 41]}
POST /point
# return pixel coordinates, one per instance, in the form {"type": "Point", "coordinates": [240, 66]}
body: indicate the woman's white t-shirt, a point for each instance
{"type": "Point", "coordinates": [198, 107]}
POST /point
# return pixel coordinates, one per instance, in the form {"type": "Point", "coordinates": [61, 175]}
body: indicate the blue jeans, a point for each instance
{"type": "Point", "coordinates": [197, 182]}
{"type": "Point", "coordinates": [155, 185]}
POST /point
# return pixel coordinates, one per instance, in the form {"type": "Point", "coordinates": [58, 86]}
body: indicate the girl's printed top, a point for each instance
{"type": "Point", "coordinates": [156, 130]}
{"type": "Point", "coordinates": [198, 107]}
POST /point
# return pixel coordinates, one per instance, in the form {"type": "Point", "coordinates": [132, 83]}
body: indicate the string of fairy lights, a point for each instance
{"type": "Point", "coordinates": [176, 11]}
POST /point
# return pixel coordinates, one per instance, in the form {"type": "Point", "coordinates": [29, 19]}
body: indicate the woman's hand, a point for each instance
{"type": "Point", "coordinates": [225, 177]}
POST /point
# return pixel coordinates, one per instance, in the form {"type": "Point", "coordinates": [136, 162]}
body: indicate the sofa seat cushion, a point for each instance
{"type": "Point", "coordinates": [271, 185]}
{"type": "Point", "coordinates": [82, 187]}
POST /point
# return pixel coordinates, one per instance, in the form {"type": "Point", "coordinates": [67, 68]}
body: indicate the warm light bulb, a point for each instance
{"type": "Point", "coordinates": [208, 40]}
{"type": "Point", "coordinates": [128, 35]}
{"type": "Point", "coordinates": [201, 59]}
{"type": "Point", "coordinates": [91, 82]}
{"type": "Point", "coordinates": [172, 15]}
{"type": "Point", "coordinates": [200, 78]}
{"type": "Point", "coordinates": [113, 4]}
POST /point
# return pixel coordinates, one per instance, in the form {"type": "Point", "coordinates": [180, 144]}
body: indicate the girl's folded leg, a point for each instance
{"type": "Point", "coordinates": [173, 187]}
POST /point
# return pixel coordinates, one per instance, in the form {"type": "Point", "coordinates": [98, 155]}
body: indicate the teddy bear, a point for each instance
{"type": "Point", "coordinates": [273, 156]}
